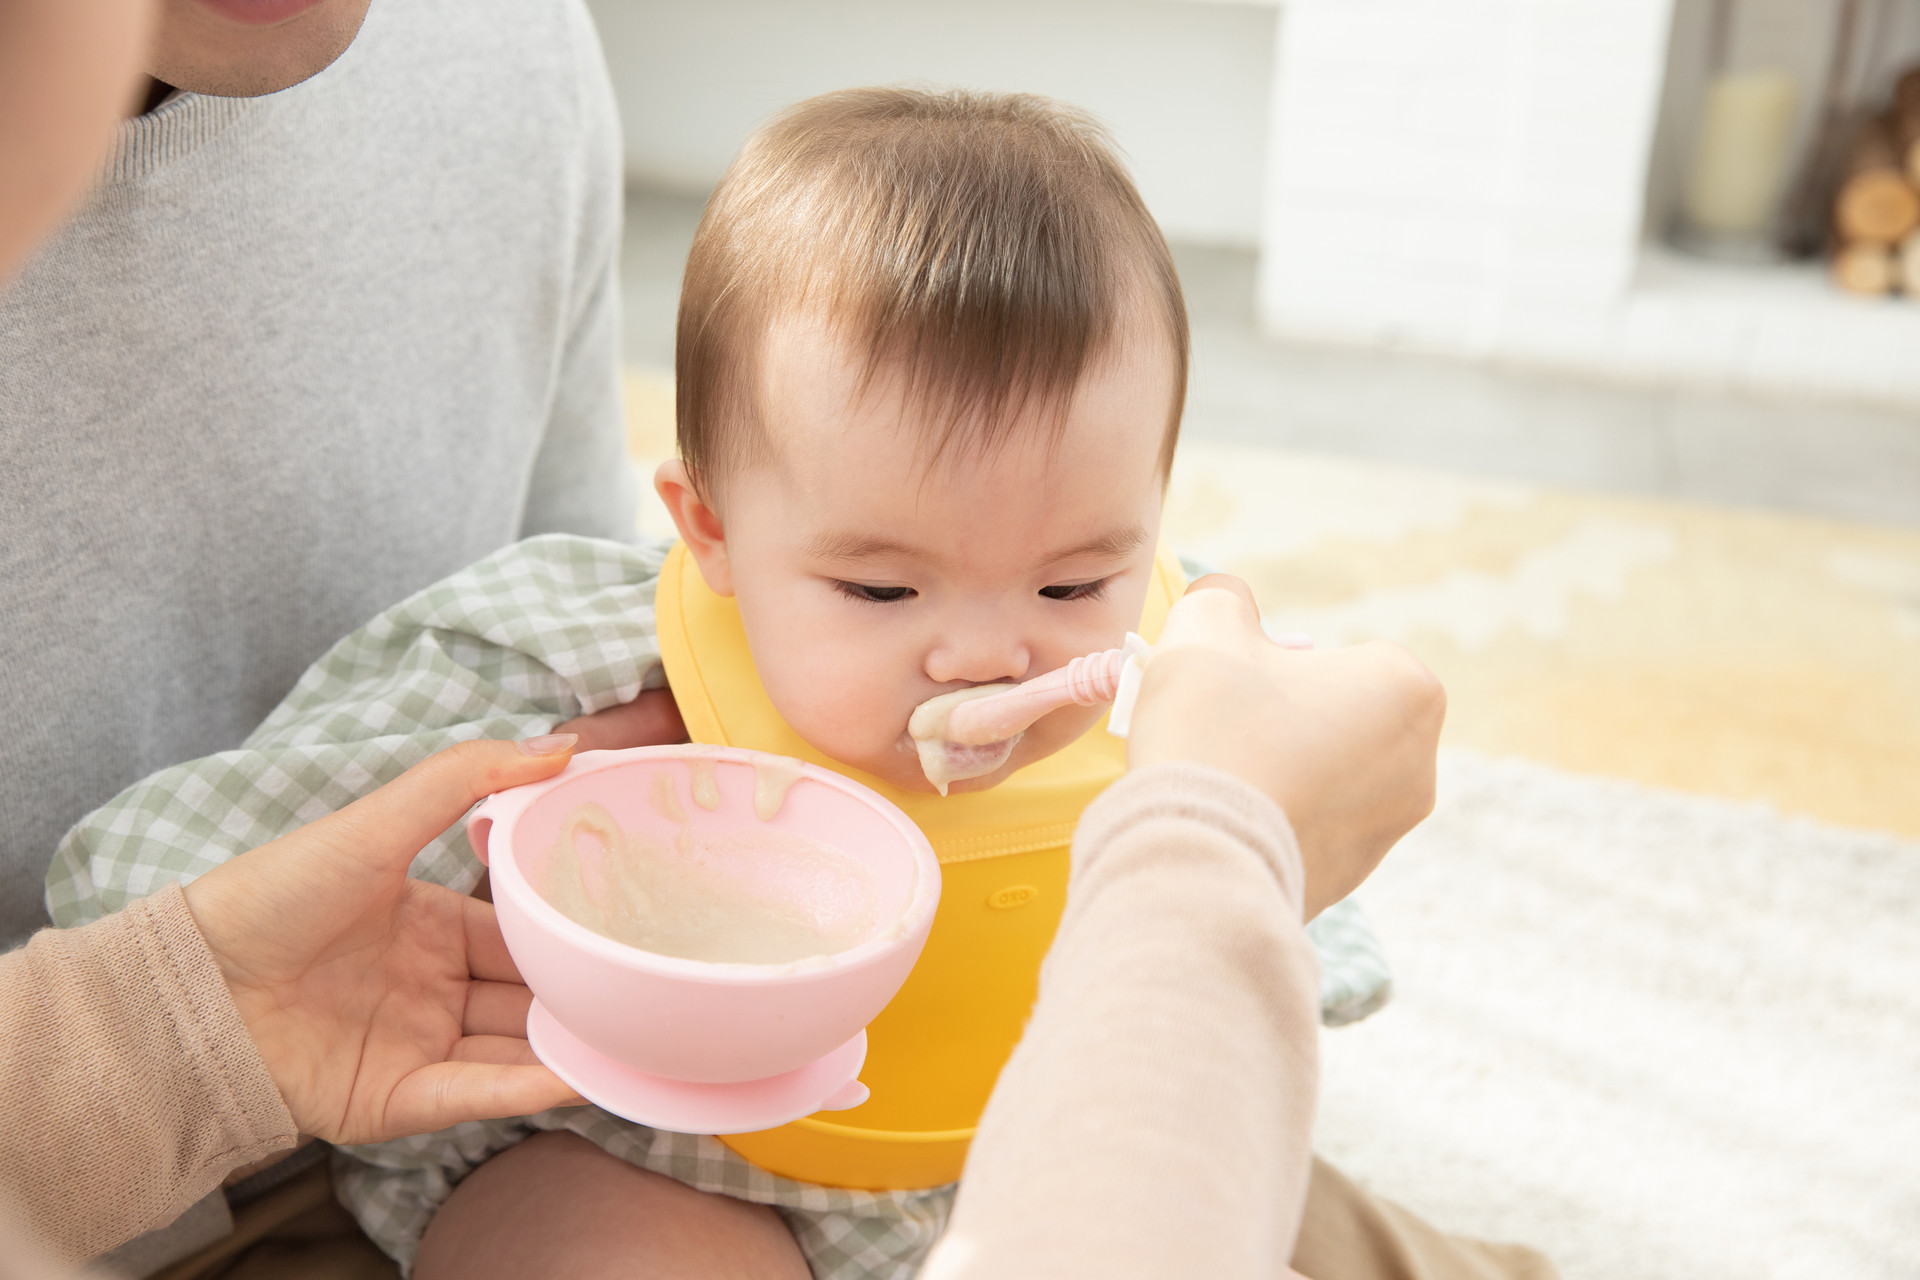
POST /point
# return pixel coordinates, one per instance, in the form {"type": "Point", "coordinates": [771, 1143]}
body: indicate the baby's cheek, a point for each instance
{"type": "Point", "coordinates": [1064, 726]}
{"type": "Point", "coordinates": [846, 714]}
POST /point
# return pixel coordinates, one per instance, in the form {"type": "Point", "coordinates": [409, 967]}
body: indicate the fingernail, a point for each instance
{"type": "Point", "coordinates": [548, 744]}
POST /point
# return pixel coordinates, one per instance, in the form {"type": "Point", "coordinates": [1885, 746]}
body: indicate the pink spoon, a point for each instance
{"type": "Point", "coordinates": [1084, 682]}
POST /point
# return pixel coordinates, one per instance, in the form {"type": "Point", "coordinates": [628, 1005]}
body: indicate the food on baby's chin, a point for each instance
{"type": "Point", "coordinates": [763, 896]}
{"type": "Point", "coordinates": [947, 762]}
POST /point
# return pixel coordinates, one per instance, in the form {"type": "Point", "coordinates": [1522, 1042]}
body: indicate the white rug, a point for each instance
{"type": "Point", "coordinates": [1653, 1034]}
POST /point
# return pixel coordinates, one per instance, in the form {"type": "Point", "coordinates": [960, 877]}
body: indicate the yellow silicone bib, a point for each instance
{"type": "Point", "coordinates": [935, 1052]}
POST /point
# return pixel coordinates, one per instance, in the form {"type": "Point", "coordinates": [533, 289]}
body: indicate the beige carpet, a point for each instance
{"type": "Point", "coordinates": [1661, 1037]}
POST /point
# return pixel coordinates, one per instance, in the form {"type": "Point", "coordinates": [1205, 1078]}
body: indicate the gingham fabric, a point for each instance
{"type": "Point", "coordinates": [540, 632]}
{"type": "Point", "coordinates": [1354, 978]}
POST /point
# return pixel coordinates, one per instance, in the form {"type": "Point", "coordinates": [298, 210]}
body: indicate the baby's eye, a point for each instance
{"type": "Point", "coordinates": [1076, 590]}
{"type": "Point", "coordinates": [872, 595]}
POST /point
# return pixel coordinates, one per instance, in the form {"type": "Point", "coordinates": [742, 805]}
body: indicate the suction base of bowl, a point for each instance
{"type": "Point", "coordinates": [830, 1083]}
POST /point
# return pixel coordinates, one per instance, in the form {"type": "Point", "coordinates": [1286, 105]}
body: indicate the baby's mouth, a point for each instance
{"type": "Point", "coordinates": [946, 762]}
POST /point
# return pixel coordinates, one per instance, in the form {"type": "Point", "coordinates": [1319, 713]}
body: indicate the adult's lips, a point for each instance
{"type": "Point", "coordinates": [259, 13]}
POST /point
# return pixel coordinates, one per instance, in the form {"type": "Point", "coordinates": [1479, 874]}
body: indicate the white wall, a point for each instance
{"type": "Point", "coordinates": [1183, 86]}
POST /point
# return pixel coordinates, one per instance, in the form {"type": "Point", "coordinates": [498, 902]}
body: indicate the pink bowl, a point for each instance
{"type": "Point", "coordinates": [689, 1019]}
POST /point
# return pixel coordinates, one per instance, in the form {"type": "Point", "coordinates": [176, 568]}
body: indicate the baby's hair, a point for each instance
{"type": "Point", "coordinates": [988, 246]}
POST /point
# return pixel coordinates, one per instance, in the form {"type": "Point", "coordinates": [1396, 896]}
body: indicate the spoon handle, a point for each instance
{"type": "Point", "coordinates": [1086, 681]}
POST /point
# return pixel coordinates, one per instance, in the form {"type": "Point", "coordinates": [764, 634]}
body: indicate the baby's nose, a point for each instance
{"type": "Point", "coordinates": [977, 659]}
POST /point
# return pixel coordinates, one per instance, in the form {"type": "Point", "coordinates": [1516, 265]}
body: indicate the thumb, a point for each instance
{"type": "Point", "coordinates": [433, 795]}
{"type": "Point", "coordinates": [450, 1093]}
{"type": "Point", "coordinates": [1224, 582]}
{"type": "Point", "coordinates": [1217, 611]}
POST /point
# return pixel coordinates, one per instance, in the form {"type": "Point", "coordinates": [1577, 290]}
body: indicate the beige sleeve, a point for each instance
{"type": "Point", "coordinates": [128, 1082]}
{"type": "Point", "coordinates": [1155, 1119]}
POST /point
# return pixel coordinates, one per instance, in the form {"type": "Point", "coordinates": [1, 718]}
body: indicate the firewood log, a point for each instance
{"type": "Point", "coordinates": [1906, 92]}
{"type": "Point", "coordinates": [1878, 206]}
{"type": "Point", "coordinates": [1876, 203]}
{"type": "Point", "coordinates": [1865, 269]}
{"type": "Point", "coordinates": [1904, 124]}
{"type": "Point", "coordinates": [1909, 264]}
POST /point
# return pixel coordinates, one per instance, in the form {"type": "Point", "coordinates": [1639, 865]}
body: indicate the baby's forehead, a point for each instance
{"type": "Point", "coordinates": [822, 385]}
{"type": "Point", "coordinates": [838, 426]}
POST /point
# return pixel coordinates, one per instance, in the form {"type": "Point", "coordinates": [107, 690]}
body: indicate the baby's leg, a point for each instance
{"type": "Point", "coordinates": [556, 1205]}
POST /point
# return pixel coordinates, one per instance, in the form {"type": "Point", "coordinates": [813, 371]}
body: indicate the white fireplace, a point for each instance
{"type": "Point", "coordinates": [1496, 179]}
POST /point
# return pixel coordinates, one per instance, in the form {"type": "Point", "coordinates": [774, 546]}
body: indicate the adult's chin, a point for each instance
{"type": "Point", "coordinates": [248, 48]}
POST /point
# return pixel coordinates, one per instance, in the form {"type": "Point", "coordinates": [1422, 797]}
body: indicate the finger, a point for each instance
{"type": "Point", "coordinates": [1217, 610]}
{"type": "Point", "coordinates": [505, 1051]}
{"type": "Point", "coordinates": [449, 1093]}
{"type": "Point", "coordinates": [401, 817]}
{"type": "Point", "coordinates": [487, 955]}
{"type": "Point", "coordinates": [496, 1009]}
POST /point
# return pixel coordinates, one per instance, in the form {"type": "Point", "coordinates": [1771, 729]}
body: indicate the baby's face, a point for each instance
{"type": "Point", "coordinates": [870, 580]}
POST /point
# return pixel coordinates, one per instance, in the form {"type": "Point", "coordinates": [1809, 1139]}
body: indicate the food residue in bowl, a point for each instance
{"type": "Point", "coordinates": [704, 785]}
{"type": "Point", "coordinates": [763, 896]}
{"type": "Point", "coordinates": [773, 777]}
{"type": "Point", "coordinates": [663, 796]}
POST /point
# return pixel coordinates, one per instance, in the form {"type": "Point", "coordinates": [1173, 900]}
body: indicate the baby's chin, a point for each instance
{"type": "Point", "coordinates": [985, 782]}
{"type": "Point", "coordinates": [903, 769]}
{"type": "Point", "coordinates": [914, 779]}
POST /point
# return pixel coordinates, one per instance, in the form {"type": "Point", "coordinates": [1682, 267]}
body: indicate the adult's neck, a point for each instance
{"type": "Point", "coordinates": [156, 93]}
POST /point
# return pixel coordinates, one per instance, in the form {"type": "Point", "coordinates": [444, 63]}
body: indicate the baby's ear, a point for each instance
{"type": "Point", "coordinates": [698, 523]}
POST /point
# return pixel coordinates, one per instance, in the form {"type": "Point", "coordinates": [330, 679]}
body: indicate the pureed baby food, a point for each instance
{"type": "Point", "coordinates": [759, 896]}
{"type": "Point", "coordinates": [944, 762]}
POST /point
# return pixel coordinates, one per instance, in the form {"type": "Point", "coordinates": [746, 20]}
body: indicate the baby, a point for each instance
{"type": "Point", "coordinates": [932, 358]}
{"type": "Point", "coordinates": [931, 366]}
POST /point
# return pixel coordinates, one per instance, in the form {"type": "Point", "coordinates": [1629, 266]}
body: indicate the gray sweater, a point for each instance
{"type": "Point", "coordinates": [298, 357]}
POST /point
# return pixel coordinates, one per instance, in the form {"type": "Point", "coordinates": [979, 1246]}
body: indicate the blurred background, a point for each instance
{"type": "Point", "coordinates": [1574, 344]}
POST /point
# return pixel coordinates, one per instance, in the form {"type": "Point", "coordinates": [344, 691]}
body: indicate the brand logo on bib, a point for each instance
{"type": "Point", "coordinates": [1014, 895]}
